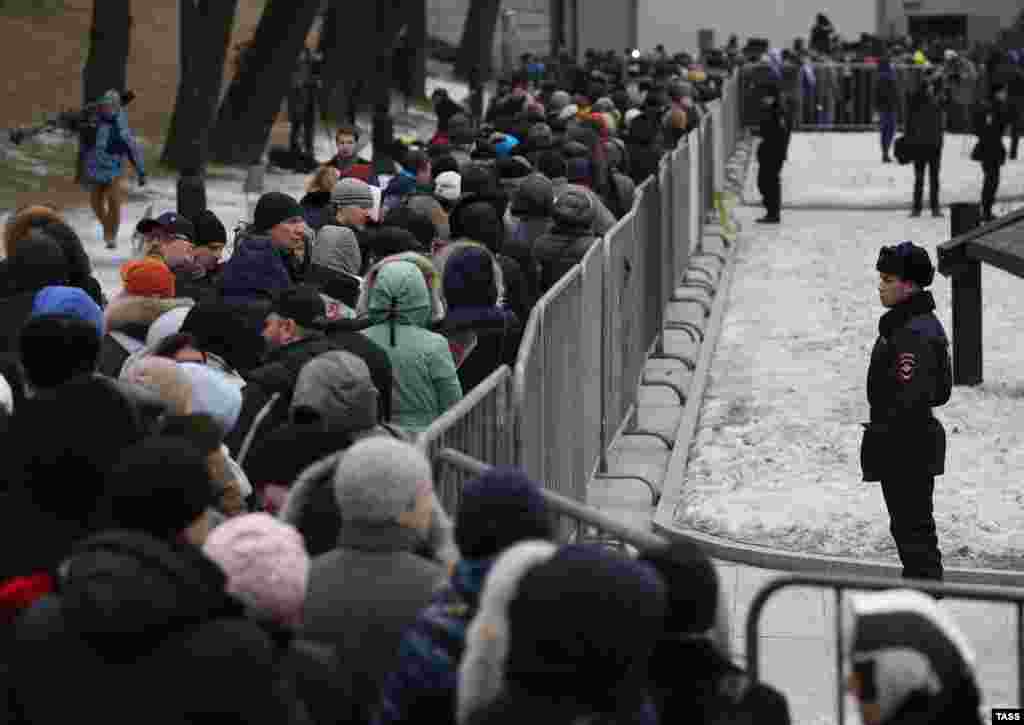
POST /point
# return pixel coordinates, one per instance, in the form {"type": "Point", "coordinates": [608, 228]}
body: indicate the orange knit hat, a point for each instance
{"type": "Point", "coordinates": [147, 277]}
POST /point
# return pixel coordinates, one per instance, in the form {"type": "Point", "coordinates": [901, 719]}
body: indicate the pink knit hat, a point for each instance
{"type": "Point", "coordinates": [266, 564]}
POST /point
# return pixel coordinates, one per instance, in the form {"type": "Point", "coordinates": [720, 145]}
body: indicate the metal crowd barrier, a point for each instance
{"type": "Point", "coordinates": [840, 584]}
{"type": "Point", "coordinates": [481, 422]}
{"type": "Point", "coordinates": [580, 363]}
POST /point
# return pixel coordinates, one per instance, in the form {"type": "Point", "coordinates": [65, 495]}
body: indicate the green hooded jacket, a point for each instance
{"type": "Point", "coordinates": [426, 383]}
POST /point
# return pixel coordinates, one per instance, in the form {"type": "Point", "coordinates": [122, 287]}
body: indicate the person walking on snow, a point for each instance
{"type": "Point", "coordinates": [991, 120]}
{"type": "Point", "coordinates": [925, 124]}
{"type": "Point", "coordinates": [904, 445]}
{"type": "Point", "coordinates": [102, 162]}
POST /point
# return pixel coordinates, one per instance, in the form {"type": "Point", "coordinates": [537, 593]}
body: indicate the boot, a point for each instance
{"type": "Point", "coordinates": [915, 212]}
{"type": "Point", "coordinates": [936, 212]}
{"type": "Point", "coordinates": [769, 219]}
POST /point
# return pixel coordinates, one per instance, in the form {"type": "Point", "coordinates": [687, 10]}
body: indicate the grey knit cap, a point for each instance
{"type": "Point", "coordinates": [352, 192]}
{"type": "Point", "coordinates": [378, 479]}
{"type": "Point", "coordinates": [338, 386]}
{"type": "Point", "coordinates": [337, 249]}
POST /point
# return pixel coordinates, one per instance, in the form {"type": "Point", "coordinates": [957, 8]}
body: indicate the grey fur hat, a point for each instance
{"type": "Point", "coordinates": [379, 479]}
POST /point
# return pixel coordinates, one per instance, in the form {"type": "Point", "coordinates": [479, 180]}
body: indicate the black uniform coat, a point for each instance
{"type": "Point", "coordinates": [990, 123]}
{"type": "Point", "coordinates": [910, 373]}
{"type": "Point", "coordinates": [774, 132]}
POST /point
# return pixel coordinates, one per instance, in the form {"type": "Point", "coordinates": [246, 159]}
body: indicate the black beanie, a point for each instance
{"type": "Point", "coordinates": [499, 509]}
{"type": "Point", "coordinates": [907, 261]}
{"type": "Point", "coordinates": [57, 348]}
{"type": "Point", "coordinates": [692, 585]}
{"type": "Point", "coordinates": [37, 262]}
{"type": "Point", "coordinates": [209, 229]}
{"type": "Point", "coordinates": [160, 486]}
{"type": "Point", "coordinates": [274, 208]}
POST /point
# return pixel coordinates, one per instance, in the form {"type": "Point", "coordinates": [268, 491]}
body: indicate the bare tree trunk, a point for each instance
{"type": "Point", "coordinates": [109, 44]}
{"type": "Point", "coordinates": [476, 46]}
{"type": "Point", "coordinates": [254, 98]}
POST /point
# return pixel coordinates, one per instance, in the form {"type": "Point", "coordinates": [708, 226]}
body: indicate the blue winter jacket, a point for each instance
{"type": "Point", "coordinates": [255, 271]}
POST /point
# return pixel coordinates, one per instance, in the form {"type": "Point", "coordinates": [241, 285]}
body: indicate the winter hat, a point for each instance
{"type": "Point", "coordinates": [339, 387]}
{"type": "Point", "coordinates": [905, 647]}
{"type": "Point", "coordinates": [301, 303]}
{"type": "Point", "coordinates": [167, 324]}
{"type": "Point", "coordinates": [352, 192]}
{"type": "Point", "coordinates": [448, 186]}
{"type": "Point", "coordinates": [907, 261]}
{"type": "Point", "coordinates": [166, 379]}
{"type": "Point", "coordinates": [482, 669]}
{"type": "Point", "coordinates": [692, 585]}
{"type": "Point", "coordinates": [479, 219]}
{"type": "Point", "coordinates": [266, 564]}
{"type": "Point", "coordinates": [379, 479]}
{"type": "Point", "coordinates": [57, 348]}
{"type": "Point", "coordinates": [578, 171]}
{"type": "Point", "coordinates": [273, 208]}
{"type": "Point", "coordinates": [416, 222]}
{"type": "Point", "coordinates": [209, 229]}
{"type": "Point", "coordinates": [574, 208]}
{"type": "Point", "coordinates": [560, 641]}
{"type": "Point", "coordinates": [559, 100]}
{"type": "Point", "coordinates": [468, 277]}
{"type": "Point", "coordinates": [160, 485]}
{"type": "Point", "coordinates": [500, 508]}
{"type": "Point", "coordinates": [428, 206]}
{"type": "Point", "coordinates": [70, 301]}
{"type": "Point", "coordinates": [568, 112]}
{"type": "Point", "coordinates": [603, 105]}
{"type": "Point", "coordinates": [337, 249]}
{"type": "Point", "coordinates": [226, 331]}
{"type": "Point", "coordinates": [540, 136]}
{"type": "Point", "coordinates": [214, 394]}
{"type": "Point", "coordinates": [389, 240]}
{"type": "Point", "coordinates": [37, 262]}
{"type": "Point", "coordinates": [148, 277]}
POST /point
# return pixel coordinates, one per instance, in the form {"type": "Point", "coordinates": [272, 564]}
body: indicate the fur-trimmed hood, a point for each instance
{"type": "Point", "coordinates": [133, 311]}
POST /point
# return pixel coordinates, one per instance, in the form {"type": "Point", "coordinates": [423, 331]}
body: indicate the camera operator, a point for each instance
{"type": "Point", "coordinates": [106, 140]}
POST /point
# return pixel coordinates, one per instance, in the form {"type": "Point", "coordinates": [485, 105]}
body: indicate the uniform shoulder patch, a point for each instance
{"type": "Point", "coordinates": [906, 364]}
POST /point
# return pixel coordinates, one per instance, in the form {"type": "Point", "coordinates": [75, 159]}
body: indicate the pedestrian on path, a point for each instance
{"type": "Point", "coordinates": [904, 445]}
{"type": "Point", "coordinates": [991, 120]}
{"type": "Point", "coordinates": [887, 100]}
{"type": "Point", "coordinates": [771, 153]}
{"type": "Point", "coordinates": [925, 125]}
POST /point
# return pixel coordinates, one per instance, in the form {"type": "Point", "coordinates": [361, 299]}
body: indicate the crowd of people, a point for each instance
{"type": "Point", "coordinates": [214, 511]}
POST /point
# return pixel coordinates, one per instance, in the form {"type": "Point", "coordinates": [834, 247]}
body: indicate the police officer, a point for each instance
{"type": "Point", "coordinates": [904, 446]}
{"type": "Point", "coordinates": [771, 152]}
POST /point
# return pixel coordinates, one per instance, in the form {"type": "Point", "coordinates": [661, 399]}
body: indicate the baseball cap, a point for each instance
{"type": "Point", "coordinates": [301, 303]}
{"type": "Point", "coordinates": [172, 221]}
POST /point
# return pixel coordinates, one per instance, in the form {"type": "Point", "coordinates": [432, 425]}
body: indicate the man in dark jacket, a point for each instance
{"type": "Point", "coordinates": [772, 153]}
{"type": "Point", "coordinates": [925, 126]}
{"type": "Point", "coordinates": [172, 238]}
{"type": "Point", "coordinates": [904, 446]}
{"type": "Point", "coordinates": [569, 239]}
{"type": "Point", "coordinates": [258, 268]}
{"type": "Point", "coordinates": [887, 101]}
{"type": "Point", "coordinates": [645, 138]}
{"type": "Point", "coordinates": [293, 338]}
{"type": "Point", "coordinates": [990, 121]}
{"type": "Point", "coordinates": [531, 218]}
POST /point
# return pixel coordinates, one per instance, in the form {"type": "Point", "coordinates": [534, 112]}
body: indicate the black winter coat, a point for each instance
{"type": "Point", "coordinates": [925, 122]}
{"type": "Point", "coordinates": [774, 130]}
{"type": "Point", "coordinates": [910, 373]}
{"type": "Point", "coordinates": [141, 626]}
{"type": "Point", "coordinates": [556, 252]}
{"type": "Point", "coordinates": [991, 122]}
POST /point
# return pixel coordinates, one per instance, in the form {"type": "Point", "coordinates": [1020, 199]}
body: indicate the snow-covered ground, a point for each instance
{"type": "Point", "coordinates": [845, 171]}
{"type": "Point", "coordinates": [224, 193]}
{"type": "Point", "coordinates": [775, 460]}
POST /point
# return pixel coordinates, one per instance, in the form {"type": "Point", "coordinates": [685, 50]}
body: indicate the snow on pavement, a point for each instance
{"type": "Point", "coordinates": [845, 170]}
{"type": "Point", "coordinates": [775, 459]}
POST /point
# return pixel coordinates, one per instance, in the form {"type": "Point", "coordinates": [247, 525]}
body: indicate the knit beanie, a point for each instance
{"type": "Point", "coordinates": [692, 582]}
{"type": "Point", "coordinates": [214, 394]}
{"type": "Point", "coordinates": [37, 262]}
{"type": "Point", "coordinates": [448, 185]}
{"type": "Point", "coordinates": [339, 387]}
{"type": "Point", "coordinates": [266, 564]}
{"type": "Point", "coordinates": [500, 508]}
{"type": "Point", "coordinates": [561, 643]}
{"type": "Point", "coordinates": [559, 100]}
{"type": "Point", "coordinates": [337, 249]}
{"type": "Point", "coordinates": [70, 301]}
{"type": "Point", "coordinates": [540, 136]}
{"type": "Point", "coordinates": [379, 479]}
{"type": "Point", "coordinates": [907, 261]}
{"type": "Point", "coordinates": [160, 485]}
{"type": "Point", "coordinates": [209, 229]}
{"type": "Point", "coordinates": [352, 192]}
{"type": "Point", "coordinates": [57, 348]}
{"type": "Point", "coordinates": [904, 646]}
{"type": "Point", "coordinates": [166, 379]}
{"type": "Point", "coordinates": [416, 222]}
{"type": "Point", "coordinates": [273, 208]}
{"type": "Point", "coordinates": [148, 277]}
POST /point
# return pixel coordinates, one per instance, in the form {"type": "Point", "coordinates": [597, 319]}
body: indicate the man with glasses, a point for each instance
{"type": "Point", "coordinates": [171, 237]}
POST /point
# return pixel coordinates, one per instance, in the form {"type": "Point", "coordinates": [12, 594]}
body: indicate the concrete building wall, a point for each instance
{"type": "Point", "coordinates": [674, 23]}
{"type": "Point", "coordinates": [896, 12]}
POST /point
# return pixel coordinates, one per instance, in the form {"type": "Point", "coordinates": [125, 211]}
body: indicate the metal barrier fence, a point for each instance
{"type": "Point", "coordinates": [845, 93]}
{"type": "Point", "coordinates": [581, 359]}
{"type": "Point", "coordinates": [839, 584]}
{"type": "Point", "coordinates": [481, 422]}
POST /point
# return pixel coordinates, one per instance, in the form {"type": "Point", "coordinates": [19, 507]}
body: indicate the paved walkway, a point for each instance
{"type": "Point", "coordinates": [797, 632]}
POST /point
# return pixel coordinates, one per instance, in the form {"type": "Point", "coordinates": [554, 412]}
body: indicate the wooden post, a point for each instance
{"type": "Point", "coordinates": [967, 345]}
